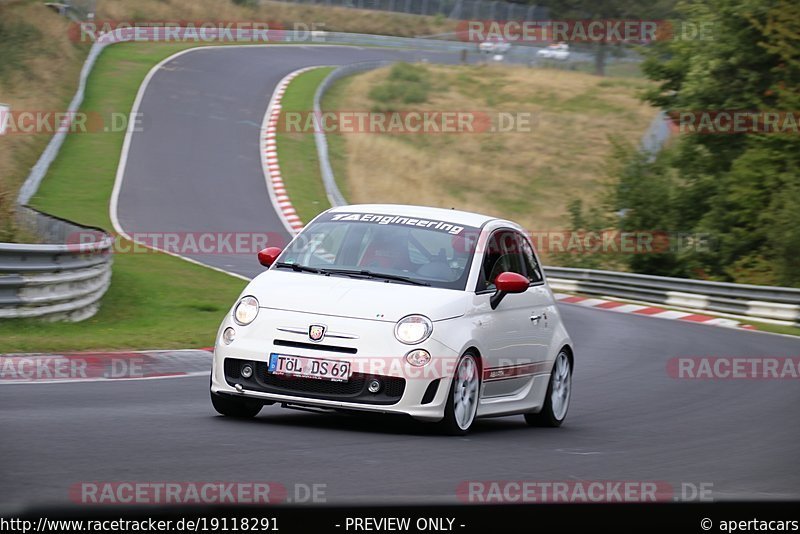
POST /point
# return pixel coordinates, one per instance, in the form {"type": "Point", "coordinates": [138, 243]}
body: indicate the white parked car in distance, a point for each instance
{"type": "Point", "coordinates": [558, 51]}
{"type": "Point", "coordinates": [439, 314]}
{"type": "Point", "coordinates": [494, 46]}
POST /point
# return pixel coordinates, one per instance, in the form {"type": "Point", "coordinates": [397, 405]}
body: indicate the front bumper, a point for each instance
{"type": "Point", "coordinates": [373, 351]}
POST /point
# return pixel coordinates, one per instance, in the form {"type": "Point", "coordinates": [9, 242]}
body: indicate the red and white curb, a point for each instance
{"type": "Point", "coordinates": [272, 170]}
{"type": "Point", "coordinates": [649, 311]}
{"type": "Point", "coordinates": [41, 368]}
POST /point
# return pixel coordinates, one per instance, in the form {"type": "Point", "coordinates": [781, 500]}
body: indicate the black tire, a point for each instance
{"type": "Point", "coordinates": [450, 424]}
{"type": "Point", "coordinates": [547, 417]}
{"type": "Point", "coordinates": [236, 408]}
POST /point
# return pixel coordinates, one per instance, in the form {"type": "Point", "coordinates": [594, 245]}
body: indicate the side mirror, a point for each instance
{"type": "Point", "coordinates": [506, 283]}
{"type": "Point", "coordinates": [268, 256]}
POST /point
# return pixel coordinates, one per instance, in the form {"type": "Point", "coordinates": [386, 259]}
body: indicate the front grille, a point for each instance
{"type": "Point", "coordinates": [394, 387]}
{"type": "Point", "coordinates": [233, 368]}
{"type": "Point", "coordinates": [354, 390]}
{"type": "Point", "coordinates": [314, 346]}
{"type": "Point", "coordinates": [430, 392]}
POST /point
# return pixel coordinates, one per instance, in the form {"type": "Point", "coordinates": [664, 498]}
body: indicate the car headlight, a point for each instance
{"type": "Point", "coordinates": [228, 335]}
{"type": "Point", "coordinates": [245, 311]}
{"type": "Point", "coordinates": [413, 329]}
{"type": "Point", "coordinates": [418, 357]}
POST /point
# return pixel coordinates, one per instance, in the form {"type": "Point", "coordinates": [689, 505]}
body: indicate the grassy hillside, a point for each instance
{"type": "Point", "coordinates": [153, 301]}
{"type": "Point", "coordinates": [327, 18]}
{"type": "Point", "coordinates": [39, 64]}
{"type": "Point", "coordinates": [529, 176]}
{"type": "Point", "coordinates": [39, 68]}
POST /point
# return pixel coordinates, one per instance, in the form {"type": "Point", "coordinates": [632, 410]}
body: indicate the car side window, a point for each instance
{"type": "Point", "coordinates": [502, 255]}
{"type": "Point", "coordinates": [532, 268]}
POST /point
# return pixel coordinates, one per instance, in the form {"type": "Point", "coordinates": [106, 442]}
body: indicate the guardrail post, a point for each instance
{"type": "Point", "coordinates": [5, 113]}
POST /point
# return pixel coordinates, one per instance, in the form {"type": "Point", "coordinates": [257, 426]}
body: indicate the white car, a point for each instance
{"type": "Point", "coordinates": [439, 314]}
{"type": "Point", "coordinates": [554, 51]}
{"type": "Point", "coordinates": [495, 46]}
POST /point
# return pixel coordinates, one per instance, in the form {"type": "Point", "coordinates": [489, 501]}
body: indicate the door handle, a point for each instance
{"type": "Point", "coordinates": [535, 319]}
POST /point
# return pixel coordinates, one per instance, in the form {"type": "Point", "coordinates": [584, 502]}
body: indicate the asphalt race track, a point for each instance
{"type": "Point", "coordinates": [197, 168]}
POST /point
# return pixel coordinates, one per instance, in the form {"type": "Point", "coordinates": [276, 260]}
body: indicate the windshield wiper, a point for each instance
{"type": "Point", "coordinates": [370, 274]}
{"type": "Point", "coordinates": [299, 268]}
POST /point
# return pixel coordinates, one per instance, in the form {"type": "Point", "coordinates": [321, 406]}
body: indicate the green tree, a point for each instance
{"type": "Point", "coordinates": [742, 189]}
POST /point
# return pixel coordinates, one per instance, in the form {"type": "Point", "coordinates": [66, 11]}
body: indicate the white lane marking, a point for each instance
{"type": "Point", "coordinates": [719, 321]}
{"type": "Point", "coordinates": [123, 162]}
{"type": "Point", "coordinates": [671, 314]}
{"type": "Point", "coordinates": [590, 302]}
{"type": "Point", "coordinates": [627, 308]}
{"type": "Point", "coordinates": [123, 159]}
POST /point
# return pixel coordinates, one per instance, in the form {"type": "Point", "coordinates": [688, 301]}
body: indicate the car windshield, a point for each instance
{"type": "Point", "coordinates": [389, 248]}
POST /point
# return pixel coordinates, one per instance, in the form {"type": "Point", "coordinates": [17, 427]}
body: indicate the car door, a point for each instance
{"type": "Point", "coordinates": [542, 307]}
{"type": "Point", "coordinates": [509, 337]}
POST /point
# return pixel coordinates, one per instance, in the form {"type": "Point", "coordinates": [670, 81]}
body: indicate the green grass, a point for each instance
{"type": "Point", "coordinates": [406, 84]}
{"type": "Point", "coordinates": [18, 39]}
{"type": "Point", "coordinates": [297, 152]}
{"type": "Point", "coordinates": [155, 300]}
{"type": "Point", "coordinates": [775, 328]}
{"type": "Point", "coordinates": [616, 69]}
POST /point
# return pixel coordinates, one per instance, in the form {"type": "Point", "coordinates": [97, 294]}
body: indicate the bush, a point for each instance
{"type": "Point", "coordinates": [405, 84]}
{"type": "Point", "coordinates": [408, 73]}
{"type": "Point", "coordinates": [17, 40]}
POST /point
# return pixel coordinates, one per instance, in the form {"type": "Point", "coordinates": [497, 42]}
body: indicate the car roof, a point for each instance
{"type": "Point", "coordinates": [463, 218]}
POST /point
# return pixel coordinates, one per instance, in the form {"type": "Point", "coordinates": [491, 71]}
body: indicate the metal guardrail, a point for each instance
{"type": "Point", "coordinates": [769, 303]}
{"type": "Point", "coordinates": [335, 196]}
{"type": "Point", "coordinates": [60, 279]}
{"type": "Point", "coordinates": [5, 109]}
{"type": "Point", "coordinates": [521, 52]}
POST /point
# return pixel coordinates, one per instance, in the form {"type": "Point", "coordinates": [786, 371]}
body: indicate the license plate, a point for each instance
{"type": "Point", "coordinates": [302, 367]}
